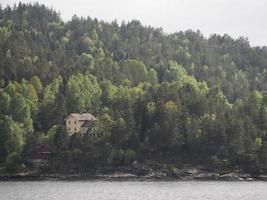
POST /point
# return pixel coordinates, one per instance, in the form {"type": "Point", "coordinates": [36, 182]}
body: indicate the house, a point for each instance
{"type": "Point", "coordinates": [79, 123]}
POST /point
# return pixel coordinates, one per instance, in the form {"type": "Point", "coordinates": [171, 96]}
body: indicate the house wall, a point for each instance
{"type": "Point", "coordinates": [83, 130]}
{"type": "Point", "coordinates": [73, 125]}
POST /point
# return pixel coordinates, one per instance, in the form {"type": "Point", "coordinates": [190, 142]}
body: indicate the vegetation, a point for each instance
{"type": "Point", "coordinates": [175, 98]}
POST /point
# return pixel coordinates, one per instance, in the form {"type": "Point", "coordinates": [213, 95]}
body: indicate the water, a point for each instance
{"type": "Point", "coordinates": [101, 190]}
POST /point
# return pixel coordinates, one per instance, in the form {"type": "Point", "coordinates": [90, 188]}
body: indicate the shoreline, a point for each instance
{"type": "Point", "coordinates": [131, 177]}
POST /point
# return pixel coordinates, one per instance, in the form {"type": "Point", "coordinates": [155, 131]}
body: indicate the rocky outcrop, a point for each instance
{"type": "Point", "coordinates": [246, 177]}
{"type": "Point", "coordinates": [191, 171]}
{"type": "Point", "coordinates": [143, 173]}
{"type": "Point", "coordinates": [231, 177]}
{"type": "Point", "coordinates": [262, 177]}
{"type": "Point", "coordinates": [207, 176]}
{"type": "Point", "coordinates": [117, 175]}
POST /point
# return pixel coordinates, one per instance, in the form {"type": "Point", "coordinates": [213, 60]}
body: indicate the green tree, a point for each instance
{"type": "Point", "coordinates": [83, 94]}
{"type": "Point", "coordinates": [11, 137]}
{"type": "Point", "coordinates": [133, 70]}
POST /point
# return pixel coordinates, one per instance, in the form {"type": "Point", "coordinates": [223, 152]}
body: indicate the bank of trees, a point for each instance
{"type": "Point", "coordinates": [157, 96]}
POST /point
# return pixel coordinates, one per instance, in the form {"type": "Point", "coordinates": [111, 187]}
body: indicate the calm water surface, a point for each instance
{"type": "Point", "coordinates": [101, 190]}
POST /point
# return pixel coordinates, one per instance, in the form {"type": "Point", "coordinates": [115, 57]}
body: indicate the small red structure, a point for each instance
{"type": "Point", "coordinates": [39, 155]}
{"type": "Point", "coordinates": [40, 151]}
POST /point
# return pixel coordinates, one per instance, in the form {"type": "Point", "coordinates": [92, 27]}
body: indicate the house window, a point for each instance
{"type": "Point", "coordinates": [69, 122]}
{"type": "Point", "coordinates": [75, 122]}
{"type": "Point", "coordinates": [75, 128]}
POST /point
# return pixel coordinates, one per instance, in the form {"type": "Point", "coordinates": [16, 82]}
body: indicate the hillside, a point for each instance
{"type": "Point", "coordinates": [175, 98]}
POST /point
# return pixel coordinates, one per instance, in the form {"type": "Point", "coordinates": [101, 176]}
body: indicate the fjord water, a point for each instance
{"type": "Point", "coordinates": [114, 190]}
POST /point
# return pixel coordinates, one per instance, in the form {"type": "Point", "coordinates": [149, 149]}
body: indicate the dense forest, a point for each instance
{"type": "Point", "coordinates": [177, 98]}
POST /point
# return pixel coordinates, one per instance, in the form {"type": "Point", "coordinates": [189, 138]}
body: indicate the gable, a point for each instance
{"type": "Point", "coordinates": [70, 116]}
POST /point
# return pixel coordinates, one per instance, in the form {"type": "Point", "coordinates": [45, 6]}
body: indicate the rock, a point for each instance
{"type": "Point", "coordinates": [160, 175]}
{"type": "Point", "coordinates": [246, 177]}
{"type": "Point", "coordinates": [176, 172]}
{"type": "Point", "coordinates": [4, 178]}
{"type": "Point", "coordinates": [191, 171]}
{"type": "Point", "coordinates": [150, 175]}
{"type": "Point", "coordinates": [249, 179]}
{"type": "Point", "coordinates": [156, 175]}
{"type": "Point", "coordinates": [231, 177]}
{"type": "Point", "coordinates": [141, 169]}
{"type": "Point", "coordinates": [72, 177]}
{"type": "Point", "coordinates": [124, 175]}
{"type": "Point", "coordinates": [263, 177]}
{"type": "Point", "coordinates": [207, 176]}
{"type": "Point", "coordinates": [117, 175]}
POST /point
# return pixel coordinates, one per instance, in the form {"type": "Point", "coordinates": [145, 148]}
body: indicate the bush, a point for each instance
{"type": "Point", "coordinates": [14, 163]}
{"type": "Point", "coordinates": [215, 161]}
{"type": "Point", "coordinates": [129, 156]}
{"type": "Point", "coordinates": [116, 157]}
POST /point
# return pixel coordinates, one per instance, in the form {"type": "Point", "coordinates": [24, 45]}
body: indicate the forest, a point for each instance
{"type": "Point", "coordinates": [179, 98]}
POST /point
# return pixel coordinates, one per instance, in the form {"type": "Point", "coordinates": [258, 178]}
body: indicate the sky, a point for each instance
{"type": "Point", "coordinates": [247, 18]}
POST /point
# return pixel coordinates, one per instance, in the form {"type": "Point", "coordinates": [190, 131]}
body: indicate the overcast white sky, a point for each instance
{"type": "Point", "coordinates": [246, 18]}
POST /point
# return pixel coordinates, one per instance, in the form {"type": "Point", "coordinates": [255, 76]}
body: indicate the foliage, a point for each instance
{"type": "Point", "coordinates": [179, 96]}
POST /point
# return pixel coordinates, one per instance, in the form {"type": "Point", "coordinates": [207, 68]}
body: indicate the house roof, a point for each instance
{"type": "Point", "coordinates": [82, 117]}
{"type": "Point", "coordinates": [87, 124]}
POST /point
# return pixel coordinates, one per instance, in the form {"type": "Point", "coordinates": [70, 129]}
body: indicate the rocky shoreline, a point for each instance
{"type": "Point", "coordinates": [177, 175]}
